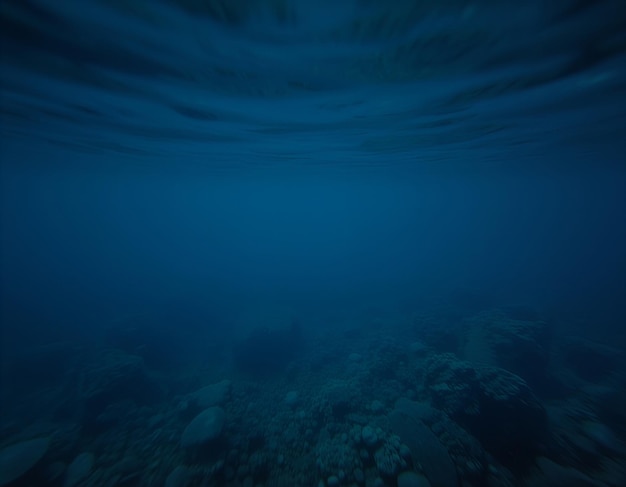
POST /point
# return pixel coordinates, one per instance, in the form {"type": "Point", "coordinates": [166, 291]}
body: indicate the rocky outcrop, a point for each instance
{"type": "Point", "coordinates": [115, 376]}
{"type": "Point", "coordinates": [521, 346]}
{"type": "Point", "coordinates": [494, 405]}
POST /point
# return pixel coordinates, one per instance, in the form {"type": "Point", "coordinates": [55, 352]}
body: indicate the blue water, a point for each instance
{"type": "Point", "coordinates": [325, 203]}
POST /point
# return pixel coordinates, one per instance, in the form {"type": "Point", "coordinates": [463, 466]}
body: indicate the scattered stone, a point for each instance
{"type": "Point", "coordinates": [19, 458]}
{"type": "Point", "coordinates": [342, 397]}
{"type": "Point", "coordinates": [388, 460]}
{"type": "Point", "coordinates": [405, 452]}
{"type": "Point", "coordinates": [334, 456]}
{"type": "Point", "coordinates": [377, 406]}
{"type": "Point", "coordinates": [205, 427]}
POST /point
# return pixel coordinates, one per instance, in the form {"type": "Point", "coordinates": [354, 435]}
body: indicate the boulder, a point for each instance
{"type": "Point", "coordinates": [115, 376]}
{"type": "Point", "coordinates": [19, 458]}
{"type": "Point", "coordinates": [426, 449]}
{"type": "Point", "coordinates": [79, 469]}
{"type": "Point", "coordinates": [211, 395]}
{"type": "Point", "coordinates": [204, 428]}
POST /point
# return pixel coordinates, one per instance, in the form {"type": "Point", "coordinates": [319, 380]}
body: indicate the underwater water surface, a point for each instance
{"type": "Point", "coordinates": [313, 243]}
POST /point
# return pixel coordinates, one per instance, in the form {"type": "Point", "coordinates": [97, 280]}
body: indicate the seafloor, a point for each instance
{"type": "Point", "coordinates": [489, 397]}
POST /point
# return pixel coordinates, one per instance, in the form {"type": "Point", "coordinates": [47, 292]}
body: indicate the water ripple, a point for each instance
{"type": "Point", "coordinates": [302, 82]}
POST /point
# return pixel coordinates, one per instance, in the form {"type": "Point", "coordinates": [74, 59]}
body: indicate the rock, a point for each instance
{"type": "Point", "coordinates": [388, 460]}
{"type": "Point", "coordinates": [604, 437]}
{"type": "Point", "coordinates": [79, 469]}
{"type": "Point", "coordinates": [128, 469]}
{"type": "Point", "coordinates": [551, 474]}
{"type": "Point", "coordinates": [334, 455]}
{"type": "Point", "coordinates": [369, 437]}
{"type": "Point", "coordinates": [426, 449]}
{"type": "Point", "coordinates": [518, 344]}
{"type": "Point", "coordinates": [609, 402]}
{"type": "Point", "coordinates": [412, 479]}
{"type": "Point", "coordinates": [205, 427]}
{"type": "Point", "coordinates": [19, 458]}
{"type": "Point", "coordinates": [54, 471]}
{"type": "Point", "coordinates": [467, 453]}
{"type": "Point", "coordinates": [341, 396]}
{"type": "Point", "coordinates": [211, 395]}
{"type": "Point", "coordinates": [376, 406]}
{"type": "Point", "coordinates": [113, 377]}
{"type": "Point", "coordinates": [493, 404]}
{"type": "Point", "coordinates": [417, 410]}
